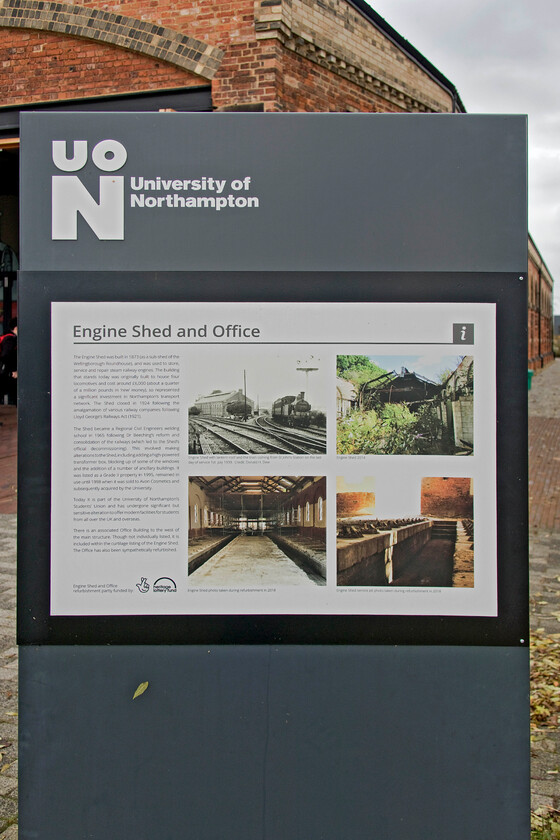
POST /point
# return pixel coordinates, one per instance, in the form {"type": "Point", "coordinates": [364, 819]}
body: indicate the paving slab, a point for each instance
{"type": "Point", "coordinates": [544, 564]}
{"type": "Point", "coordinates": [8, 673]}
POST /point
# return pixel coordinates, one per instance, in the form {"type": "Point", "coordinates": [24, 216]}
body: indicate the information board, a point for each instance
{"type": "Point", "coordinates": [272, 465]}
{"type": "Point", "coordinates": [165, 392]}
{"type": "Point", "coordinates": [185, 486]}
{"type": "Point", "coordinates": [124, 379]}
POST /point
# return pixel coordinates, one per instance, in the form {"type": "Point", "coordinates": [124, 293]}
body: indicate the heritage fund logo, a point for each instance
{"type": "Point", "coordinates": [165, 584]}
{"type": "Point", "coordinates": [70, 196]}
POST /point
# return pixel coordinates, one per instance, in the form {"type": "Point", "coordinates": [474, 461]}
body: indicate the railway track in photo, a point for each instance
{"type": "Point", "coordinates": [227, 437]}
{"type": "Point", "coordinates": [316, 438]}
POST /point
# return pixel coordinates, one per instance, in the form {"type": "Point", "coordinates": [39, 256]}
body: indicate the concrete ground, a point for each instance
{"type": "Point", "coordinates": [432, 565]}
{"type": "Point", "coordinates": [544, 491]}
{"type": "Point", "coordinates": [249, 562]}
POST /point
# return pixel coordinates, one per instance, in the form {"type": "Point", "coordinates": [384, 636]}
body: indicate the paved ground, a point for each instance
{"type": "Point", "coordinates": [8, 650]}
{"type": "Point", "coordinates": [8, 451]}
{"type": "Point", "coordinates": [8, 679]}
{"type": "Point", "coordinates": [544, 499]}
{"type": "Point", "coordinates": [544, 491]}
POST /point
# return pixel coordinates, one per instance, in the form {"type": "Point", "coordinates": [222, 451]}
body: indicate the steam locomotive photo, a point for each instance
{"type": "Point", "coordinates": [292, 411]}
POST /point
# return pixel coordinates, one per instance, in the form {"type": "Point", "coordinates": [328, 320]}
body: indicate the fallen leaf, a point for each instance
{"type": "Point", "coordinates": [140, 690]}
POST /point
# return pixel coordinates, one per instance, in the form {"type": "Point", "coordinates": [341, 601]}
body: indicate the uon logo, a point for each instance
{"type": "Point", "coordinates": [70, 197]}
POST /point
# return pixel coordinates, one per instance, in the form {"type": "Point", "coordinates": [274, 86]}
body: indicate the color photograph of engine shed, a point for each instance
{"type": "Point", "coordinates": [398, 405]}
{"type": "Point", "coordinates": [417, 532]}
{"type": "Point", "coordinates": [254, 531]}
{"type": "Point", "coordinates": [257, 404]}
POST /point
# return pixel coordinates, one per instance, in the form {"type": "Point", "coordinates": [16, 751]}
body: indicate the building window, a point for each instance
{"type": "Point", "coordinates": [320, 506]}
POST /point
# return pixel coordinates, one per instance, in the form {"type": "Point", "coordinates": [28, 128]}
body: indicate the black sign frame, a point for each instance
{"type": "Point", "coordinates": [37, 292]}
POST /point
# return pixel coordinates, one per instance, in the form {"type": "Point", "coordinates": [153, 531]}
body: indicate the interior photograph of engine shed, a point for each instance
{"type": "Point", "coordinates": [265, 403]}
{"type": "Point", "coordinates": [414, 532]}
{"type": "Point", "coordinates": [253, 531]}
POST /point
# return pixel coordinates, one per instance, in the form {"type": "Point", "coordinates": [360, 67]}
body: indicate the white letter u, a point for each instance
{"type": "Point", "coordinates": [61, 161]}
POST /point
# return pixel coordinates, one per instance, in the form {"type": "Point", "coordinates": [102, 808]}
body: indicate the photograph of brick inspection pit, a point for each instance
{"type": "Point", "coordinates": [420, 534]}
{"type": "Point", "coordinates": [253, 531]}
{"type": "Point", "coordinates": [405, 405]}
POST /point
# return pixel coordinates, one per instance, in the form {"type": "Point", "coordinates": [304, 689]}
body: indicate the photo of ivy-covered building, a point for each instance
{"type": "Point", "coordinates": [399, 410]}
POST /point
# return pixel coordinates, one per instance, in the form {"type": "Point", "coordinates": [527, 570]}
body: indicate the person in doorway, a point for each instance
{"type": "Point", "coordinates": [8, 364]}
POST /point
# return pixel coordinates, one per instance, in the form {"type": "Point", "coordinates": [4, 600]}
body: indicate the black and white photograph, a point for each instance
{"type": "Point", "coordinates": [257, 403]}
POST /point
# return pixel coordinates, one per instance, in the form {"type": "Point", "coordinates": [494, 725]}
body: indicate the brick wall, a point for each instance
{"type": "Point", "coordinates": [307, 499]}
{"type": "Point", "coordinates": [296, 55]}
{"type": "Point", "coordinates": [250, 74]}
{"type": "Point", "coordinates": [450, 498]}
{"type": "Point", "coordinates": [306, 85]}
{"type": "Point", "coordinates": [198, 502]}
{"type": "Point", "coordinates": [355, 504]}
{"type": "Point", "coordinates": [375, 560]}
{"type": "Point", "coordinates": [338, 37]}
{"type": "Point", "coordinates": [539, 294]}
{"type": "Point", "coordinates": [39, 66]}
{"type": "Point", "coordinates": [290, 55]}
{"type": "Point", "coordinates": [463, 420]}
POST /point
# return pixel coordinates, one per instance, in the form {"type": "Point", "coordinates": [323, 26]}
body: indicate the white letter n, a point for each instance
{"type": "Point", "coordinates": [70, 197]}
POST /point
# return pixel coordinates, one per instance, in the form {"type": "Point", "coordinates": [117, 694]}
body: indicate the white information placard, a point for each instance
{"type": "Point", "coordinates": [273, 458]}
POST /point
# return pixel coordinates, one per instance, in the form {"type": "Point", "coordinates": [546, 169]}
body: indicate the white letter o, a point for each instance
{"type": "Point", "coordinates": [109, 147]}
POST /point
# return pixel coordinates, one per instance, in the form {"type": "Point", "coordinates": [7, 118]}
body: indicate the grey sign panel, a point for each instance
{"type": "Point", "coordinates": [401, 739]}
{"type": "Point", "coordinates": [282, 191]}
{"type": "Point", "coordinates": [318, 743]}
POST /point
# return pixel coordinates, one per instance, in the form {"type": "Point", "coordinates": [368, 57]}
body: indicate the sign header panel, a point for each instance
{"type": "Point", "coordinates": [253, 192]}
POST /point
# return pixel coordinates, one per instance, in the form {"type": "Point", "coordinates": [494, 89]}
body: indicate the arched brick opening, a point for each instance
{"type": "Point", "coordinates": [129, 33]}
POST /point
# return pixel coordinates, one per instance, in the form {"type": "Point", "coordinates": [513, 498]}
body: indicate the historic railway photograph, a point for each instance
{"type": "Point", "coordinates": [257, 403]}
{"type": "Point", "coordinates": [252, 531]}
{"type": "Point", "coordinates": [405, 405]}
{"type": "Point", "coordinates": [409, 532]}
